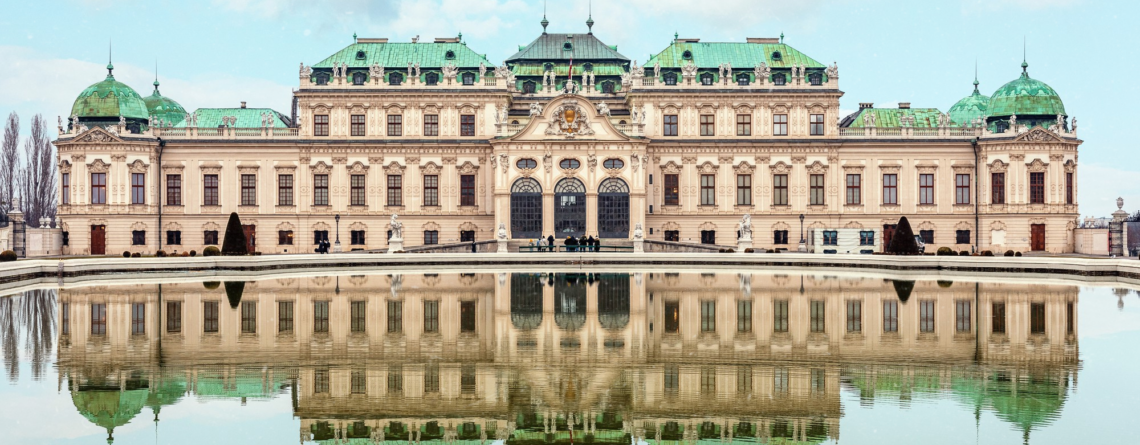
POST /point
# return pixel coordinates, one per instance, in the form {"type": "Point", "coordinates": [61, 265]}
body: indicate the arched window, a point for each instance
{"type": "Point", "coordinates": [613, 209]}
{"type": "Point", "coordinates": [613, 301]}
{"type": "Point", "coordinates": [779, 79]}
{"type": "Point", "coordinates": [569, 164]}
{"type": "Point", "coordinates": [815, 78]}
{"type": "Point", "coordinates": [358, 78]}
{"type": "Point", "coordinates": [526, 164]}
{"type": "Point", "coordinates": [742, 79]}
{"type": "Point", "coordinates": [670, 78]}
{"type": "Point", "coordinates": [548, 67]}
{"type": "Point", "coordinates": [570, 301]}
{"type": "Point", "coordinates": [569, 208]}
{"type": "Point", "coordinates": [706, 79]}
{"type": "Point", "coordinates": [515, 122]}
{"type": "Point", "coordinates": [526, 208]}
{"type": "Point", "coordinates": [395, 78]}
{"type": "Point", "coordinates": [528, 87]}
{"type": "Point", "coordinates": [526, 301]}
{"type": "Point", "coordinates": [322, 78]}
{"type": "Point", "coordinates": [608, 87]}
{"type": "Point", "coordinates": [469, 78]}
{"type": "Point", "coordinates": [613, 163]}
{"type": "Point", "coordinates": [431, 78]}
{"type": "Point", "coordinates": [621, 122]}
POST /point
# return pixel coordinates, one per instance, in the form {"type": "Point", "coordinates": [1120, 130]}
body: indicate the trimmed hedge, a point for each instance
{"type": "Point", "coordinates": [234, 242]}
{"type": "Point", "coordinates": [943, 251]}
{"type": "Point", "coordinates": [211, 251]}
{"type": "Point", "coordinates": [8, 255]}
{"type": "Point", "coordinates": [902, 243]}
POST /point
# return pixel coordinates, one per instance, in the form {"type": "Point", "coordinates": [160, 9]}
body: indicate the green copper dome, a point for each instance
{"type": "Point", "coordinates": [1025, 96]}
{"type": "Point", "coordinates": [109, 408]}
{"type": "Point", "coordinates": [109, 98]}
{"type": "Point", "coordinates": [970, 108]}
{"type": "Point", "coordinates": [163, 107]}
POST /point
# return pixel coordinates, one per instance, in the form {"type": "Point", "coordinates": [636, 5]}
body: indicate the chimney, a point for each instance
{"type": "Point", "coordinates": [772, 40]}
{"type": "Point", "coordinates": [904, 105]}
{"type": "Point", "coordinates": [689, 40]}
{"type": "Point", "coordinates": [863, 105]}
{"type": "Point", "coordinates": [373, 40]}
{"type": "Point", "coordinates": [243, 104]}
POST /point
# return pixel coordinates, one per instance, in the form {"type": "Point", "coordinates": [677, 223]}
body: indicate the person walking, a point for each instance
{"type": "Point", "coordinates": [550, 243]}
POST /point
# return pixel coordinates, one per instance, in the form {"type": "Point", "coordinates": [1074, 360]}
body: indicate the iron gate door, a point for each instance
{"type": "Point", "coordinates": [613, 209]}
{"type": "Point", "coordinates": [569, 208]}
{"type": "Point", "coordinates": [19, 239]}
{"type": "Point", "coordinates": [526, 209]}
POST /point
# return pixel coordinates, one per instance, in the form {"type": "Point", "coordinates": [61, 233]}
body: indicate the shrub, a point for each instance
{"type": "Point", "coordinates": [126, 254]}
{"type": "Point", "coordinates": [234, 242]}
{"type": "Point", "coordinates": [193, 253]}
{"type": "Point", "coordinates": [160, 254]}
{"type": "Point", "coordinates": [749, 250]}
{"type": "Point", "coordinates": [943, 251]}
{"type": "Point", "coordinates": [902, 243]}
{"type": "Point", "coordinates": [945, 283]}
{"type": "Point", "coordinates": [903, 288]}
{"type": "Point", "coordinates": [987, 253]}
{"type": "Point", "coordinates": [729, 250]}
{"type": "Point", "coordinates": [964, 253]}
{"type": "Point", "coordinates": [256, 254]}
{"type": "Point", "coordinates": [211, 285]}
{"type": "Point", "coordinates": [136, 255]}
{"type": "Point", "coordinates": [234, 290]}
{"type": "Point", "coordinates": [1009, 253]}
{"type": "Point", "coordinates": [1017, 254]}
{"type": "Point", "coordinates": [8, 255]}
{"type": "Point", "coordinates": [185, 254]}
{"type": "Point", "coordinates": [210, 251]}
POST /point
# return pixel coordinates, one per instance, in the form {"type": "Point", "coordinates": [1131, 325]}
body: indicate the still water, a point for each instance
{"type": "Point", "coordinates": [594, 358]}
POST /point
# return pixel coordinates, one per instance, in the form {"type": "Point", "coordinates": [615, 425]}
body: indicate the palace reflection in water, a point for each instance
{"type": "Point", "coordinates": [553, 358]}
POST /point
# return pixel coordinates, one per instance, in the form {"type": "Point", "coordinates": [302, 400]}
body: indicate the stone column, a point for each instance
{"type": "Point", "coordinates": [1116, 230]}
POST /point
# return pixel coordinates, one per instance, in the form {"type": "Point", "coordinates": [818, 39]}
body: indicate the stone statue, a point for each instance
{"type": "Point", "coordinates": [375, 71]}
{"type": "Point", "coordinates": [416, 69]}
{"type": "Point", "coordinates": [633, 116]}
{"type": "Point", "coordinates": [761, 72]}
{"type": "Point", "coordinates": [305, 71]}
{"type": "Point", "coordinates": [1074, 125]}
{"type": "Point", "coordinates": [833, 71]}
{"type": "Point", "coordinates": [409, 70]}
{"type": "Point", "coordinates": [638, 233]}
{"type": "Point", "coordinates": [1060, 123]}
{"type": "Point", "coordinates": [1013, 122]}
{"type": "Point", "coordinates": [642, 116]}
{"type": "Point", "coordinates": [720, 69]}
{"type": "Point", "coordinates": [74, 121]}
{"type": "Point", "coordinates": [603, 109]}
{"type": "Point", "coordinates": [122, 121]}
{"type": "Point", "coordinates": [626, 80]}
{"type": "Point", "coordinates": [746, 227]}
{"type": "Point", "coordinates": [689, 70]}
{"type": "Point", "coordinates": [943, 120]}
{"type": "Point", "coordinates": [482, 69]}
{"type": "Point", "coordinates": [657, 69]}
{"type": "Point", "coordinates": [59, 119]}
{"type": "Point", "coordinates": [535, 109]}
{"type": "Point", "coordinates": [803, 70]}
{"type": "Point", "coordinates": [868, 119]}
{"type": "Point", "coordinates": [397, 228]}
{"type": "Point", "coordinates": [639, 71]}
{"type": "Point", "coordinates": [502, 234]}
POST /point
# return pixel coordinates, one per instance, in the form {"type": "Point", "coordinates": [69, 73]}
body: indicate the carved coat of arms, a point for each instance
{"type": "Point", "coordinates": [568, 120]}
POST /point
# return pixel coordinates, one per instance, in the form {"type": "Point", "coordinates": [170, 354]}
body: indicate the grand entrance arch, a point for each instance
{"type": "Point", "coordinates": [569, 208]}
{"type": "Point", "coordinates": [526, 209]}
{"type": "Point", "coordinates": [613, 209]}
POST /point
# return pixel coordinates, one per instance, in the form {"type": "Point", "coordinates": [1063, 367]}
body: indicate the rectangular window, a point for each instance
{"type": "Point", "coordinates": [431, 125]}
{"type": "Point", "coordinates": [65, 188]}
{"type": "Point", "coordinates": [927, 236]}
{"type": "Point", "coordinates": [743, 190]}
{"type": "Point", "coordinates": [744, 316]}
{"type": "Point", "coordinates": [744, 125]}
{"type": "Point", "coordinates": [431, 378]}
{"type": "Point", "coordinates": [210, 190]}
{"type": "Point", "coordinates": [395, 379]}
{"type": "Point", "coordinates": [431, 237]}
{"type": "Point", "coordinates": [830, 238]}
{"type": "Point", "coordinates": [673, 235]}
{"type": "Point", "coordinates": [466, 236]}
{"type": "Point", "coordinates": [926, 189]}
{"type": "Point", "coordinates": [357, 237]}
{"type": "Point", "coordinates": [174, 237]}
{"type": "Point", "coordinates": [320, 235]}
{"type": "Point", "coordinates": [997, 318]}
{"type": "Point", "coordinates": [779, 125]}
{"type": "Point", "coordinates": [395, 316]}
{"type": "Point", "coordinates": [817, 125]}
{"type": "Point", "coordinates": [672, 379]}
{"type": "Point", "coordinates": [358, 127]}
{"type": "Point", "coordinates": [672, 317]}
{"type": "Point", "coordinates": [210, 237]}
{"type": "Point", "coordinates": [284, 190]}
{"type": "Point", "coordinates": [320, 316]}
{"type": "Point", "coordinates": [997, 182]}
{"type": "Point", "coordinates": [866, 237]}
{"type": "Point", "coordinates": [818, 381]}
{"type": "Point", "coordinates": [65, 319]}
{"type": "Point", "coordinates": [1068, 188]}
{"type": "Point", "coordinates": [395, 190]}
{"type": "Point", "coordinates": [1036, 318]}
{"type": "Point", "coordinates": [431, 190]}
{"type": "Point", "coordinates": [284, 316]}
{"type": "Point", "coordinates": [1037, 187]}
{"type": "Point", "coordinates": [321, 381]}
{"type": "Point", "coordinates": [285, 237]}
{"type": "Point", "coordinates": [466, 190]}
{"type": "Point", "coordinates": [249, 317]}
{"type": "Point", "coordinates": [358, 316]}
{"type": "Point", "coordinates": [817, 190]}
{"type": "Point", "coordinates": [173, 190]}
{"type": "Point", "coordinates": [138, 318]}
{"type": "Point", "coordinates": [467, 316]}
{"type": "Point", "coordinates": [891, 316]}
{"type": "Point", "coordinates": [708, 190]}
{"type": "Point", "coordinates": [98, 188]}
{"type": "Point", "coordinates": [779, 237]}
{"type": "Point", "coordinates": [708, 316]}
{"type": "Point", "coordinates": [173, 317]}
{"type": "Point", "coordinates": [708, 125]}
{"type": "Point", "coordinates": [818, 316]}
{"type": "Point", "coordinates": [890, 189]}
{"type": "Point", "coordinates": [962, 320]}
{"type": "Point", "coordinates": [248, 190]}
{"type": "Point", "coordinates": [1069, 318]}
{"type": "Point", "coordinates": [99, 319]}
{"type": "Point", "coordinates": [138, 237]}
{"type": "Point", "coordinates": [320, 190]}
{"type": "Point", "coordinates": [670, 128]}
{"type": "Point", "coordinates": [780, 190]}
{"type": "Point", "coordinates": [708, 381]}
{"type": "Point", "coordinates": [780, 384]}
{"type": "Point", "coordinates": [359, 385]}
{"type": "Point", "coordinates": [926, 316]}
{"type": "Point", "coordinates": [708, 237]}
{"type": "Point", "coordinates": [854, 316]}
{"type": "Point", "coordinates": [962, 237]}
{"type": "Point", "coordinates": [854, 189]}
{"type": "Point", "coordinates": [138, 188]}
{"type": "Point", "coordinates": [780, 316]}
{"type": "Point", "coordinates": [467, 125]}
{"type": "Point", "coordinates": [672, 190]}
{"type": "Point", "coordinates": [961, 189]}
{"type": "Point", "coordinates": [210, 316]}
{"type": "Point", "coordinates": [321, 125]}
{"type": "Point", "coordinates": [744, 380]}
{"type": "Point", "coordinates": [357, 197]}
{"type": "Point", "coordinates": [431, 316]}
{"type": "Point", "coordinates": [395, 125]}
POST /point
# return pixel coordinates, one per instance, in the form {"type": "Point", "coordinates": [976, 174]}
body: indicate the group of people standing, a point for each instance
{"type": "Point", "coordinates": [581, 244]}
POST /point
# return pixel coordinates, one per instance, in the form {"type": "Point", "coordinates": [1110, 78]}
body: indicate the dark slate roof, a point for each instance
{"type": "Point", "coordinates": [550, 47]}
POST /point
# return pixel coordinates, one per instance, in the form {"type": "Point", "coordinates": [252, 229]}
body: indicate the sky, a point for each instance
{"type": "Point", "coordinates": [217, 53]}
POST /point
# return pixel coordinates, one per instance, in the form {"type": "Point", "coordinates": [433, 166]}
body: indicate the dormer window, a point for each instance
{"type": "Point", "coordinates": [358, 78]}
{"type": "Point", "coordinates": [548, 67]}
{"type": "Point", "coordinates": [567, 46]}
{"type": "Point", "coordinates": [323, 79]}
{"type": "Point", "coordinates": [777, 56]}
{"type": "Point", "coordinates": [360, 55]}
{"type": "Point", "coordinates": [687, 55]}
{"type": "Point", "coordinates": [608, 87]}
{"type": "Point", "coordinates": [706, 79]}
{"type": "Point", "coordinates": [779, 79]}
{"type": "Point", "coordinates": [449, 55]}
{"type": "Point", "coordinates": [395, 79]}
{"type": "Point", "coordinates": [528, 87]}
{"type": "Point", "coordinates": [468, 78]}
{"type": "Point", "coordinates": [670, 78]}
{"type": "Point", "coordinates": [742, 79]}
{"type": "Point", "coordinates": [431, 78]}
{"type": "Point", "coordinates": [815, 78]}
{"type": "Point", "coordinates": [588, 67]}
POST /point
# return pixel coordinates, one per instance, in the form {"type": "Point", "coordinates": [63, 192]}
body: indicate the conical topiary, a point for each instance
{"type": "Point", "coordinates": [903, 288]}
{"type": "Point", "coordinates": [235, 242]}
{"type": "Point", "coordinates": [902, 243]}
{"type": "Point", "coordinates": [234, 289]}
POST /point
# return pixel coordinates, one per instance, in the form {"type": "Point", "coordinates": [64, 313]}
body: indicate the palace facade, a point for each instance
{"type": "Point", "coordinates": [567, 137]}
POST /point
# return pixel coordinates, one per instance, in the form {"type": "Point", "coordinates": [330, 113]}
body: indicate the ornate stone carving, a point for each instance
{"type": "Point", "coordinates": [394, 168]}
{"type": "Point", "coordinates": [98, 166]}
{"type": "Point", "coordinates": [998, 166]}
{"type": "Point", "coordinates": [671, 168]}
{"type": "Point", "coordinates": [780, 168]}
{"type": "Point", "coordinates": [1037, 166]}
{"type": "Point", "coordinates": [569, 120]}
{"type": "Point", "coordinates": [430, 169]}
{"type": "Point", "coordinates": [708, 168]}
{"type": "Point", "coordinates": [138, 166]}
{"type": "Point", "coordinates": [358, 167]}
{"type": "Point", "coordinates": [321, 168]}
{"type": "Point", "coordinates": [468, 168]}
{"type": "Point", "coordinates": [1038, 134]}
{"type": "Point", "coordinates": [98, 135]}
{"type": "Point", "coordinates": [817, 168]}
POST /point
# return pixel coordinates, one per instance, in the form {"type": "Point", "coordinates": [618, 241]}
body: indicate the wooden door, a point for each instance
{"type": "Point", "coordinates": [888, 235]}
{"type": "Point", "coordinates": [1037, 237]}
{"type": "Point", "coordinates": [250, 237]}
{"type": "Point", "coordinates": [99, 240]}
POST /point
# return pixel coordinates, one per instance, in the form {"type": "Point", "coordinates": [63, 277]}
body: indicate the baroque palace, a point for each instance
{"type": "Point", "coordinates": [567, 137]}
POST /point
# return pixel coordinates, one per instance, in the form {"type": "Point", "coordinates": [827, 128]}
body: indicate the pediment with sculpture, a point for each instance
{"type": "Point", "coordinates": [569, 117]}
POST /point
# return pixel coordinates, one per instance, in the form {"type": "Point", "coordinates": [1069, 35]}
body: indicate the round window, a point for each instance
{"type": "Point", "coordinates": [526, 164]}
{"type": "Point", "coordinates": [613, 163]}
{"type": "Point", "coordinates": [687, 55]}
{"type": "Point", "coordinates": [569, 164]}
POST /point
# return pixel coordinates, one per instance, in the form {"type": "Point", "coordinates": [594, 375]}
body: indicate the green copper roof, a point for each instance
{"type": "Point", "coordinates": [889, 117]}
{"type": "Point", "coordinates": [164, 107]}
{"type": "Point", "coordinates": [109, 408]}
{"type": "Point", "coordinates": [553, 47]}
{"type": "Point", "coordinates": [739, 55]}
{"type": "Point", "coordinates": [399, 55]}
{"type": "Point", "coordinates": [560, 69]}
{"type": "Point", "coordinates": [1025, 96]}
{"type": "Point", "coordinates": [246, 117]}
{"type": "Point", "coordinates": [109, 98]}
{"type": "Point", "coordinates": [970, 107]}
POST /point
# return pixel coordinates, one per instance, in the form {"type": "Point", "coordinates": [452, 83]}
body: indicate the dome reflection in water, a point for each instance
{"type": "Point", "coordinates": [542, 358]}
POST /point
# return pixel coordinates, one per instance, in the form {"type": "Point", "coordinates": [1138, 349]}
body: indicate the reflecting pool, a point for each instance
{"type": "Point", "coordinates": [649, 358]}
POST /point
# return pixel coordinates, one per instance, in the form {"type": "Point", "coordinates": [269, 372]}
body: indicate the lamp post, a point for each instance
{"type": "Point", "coordinates": [336, 247]}
{"type": "Point", "coordinates": [803, 241]}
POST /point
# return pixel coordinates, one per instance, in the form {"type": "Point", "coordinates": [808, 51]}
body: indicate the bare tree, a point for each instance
{"type": "Point", "coordinates": [37, 316]}
{"type": "Point", "coordinates": [37, 179]}
{"type": "Point", "coordinates": [9, 161]}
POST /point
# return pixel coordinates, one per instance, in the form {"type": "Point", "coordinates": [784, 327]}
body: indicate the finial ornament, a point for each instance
{"type": "Point", "coordinates": [1119, 203]}
{"type": "Point", "coordinates": [110, 66]}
